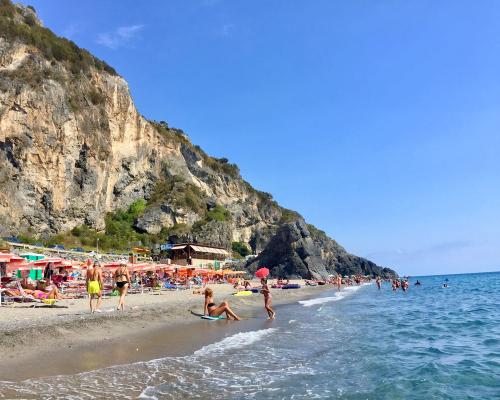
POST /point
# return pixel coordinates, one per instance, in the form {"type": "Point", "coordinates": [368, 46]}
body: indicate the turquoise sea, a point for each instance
{"type": "Point", "coordinates": [362, 343]}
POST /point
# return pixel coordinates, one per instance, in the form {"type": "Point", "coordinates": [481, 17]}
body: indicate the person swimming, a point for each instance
{"type": "Point", "coordinates": [212, 310]}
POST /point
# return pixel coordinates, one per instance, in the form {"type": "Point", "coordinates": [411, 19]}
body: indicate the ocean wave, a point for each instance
{"type": "Point", "coordinates": [321, 300]}
{"type": "Point", "coordinates": [338, 296]}
{"type": "Point", "coordinates": [235, 341]}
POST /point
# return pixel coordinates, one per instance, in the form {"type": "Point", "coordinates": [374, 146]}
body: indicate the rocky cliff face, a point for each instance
{"type": "Point", "coordinates": [301, 251]}
{"type": "Point", "coordinates": [73, 147]}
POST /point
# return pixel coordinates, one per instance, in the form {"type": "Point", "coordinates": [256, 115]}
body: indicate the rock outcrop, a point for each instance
{"type": "Point", "coordinates": [73, 148]}
{"type": "Point", "coordinates": [295, 252]}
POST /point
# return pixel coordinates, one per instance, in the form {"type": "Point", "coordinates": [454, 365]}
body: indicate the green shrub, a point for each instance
{"type": "Point", "coordinates": [26, 238]}
{"type": "Point", "coordinates": [49, 44]}
{"type": "Point", "coordinates": [218, 213]}
{"type": "Point", "coordinates": [179, 193]}
{"type": "Point", "coordinates": [316, 233]}
{"type": "Point", "coordinates": [288, 215]}
{"type": "Point", "coordinates": [119, 233]}
{"type": "Point", "coordinates": [136, 209]}
{"type": "Point", "coordinates": [172, 134]}
{"type": "Point", "coordinates": [241, 249]}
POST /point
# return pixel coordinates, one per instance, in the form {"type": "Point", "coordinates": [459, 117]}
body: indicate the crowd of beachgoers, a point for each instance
{"type": "Point", "coordinates": [50, 280]}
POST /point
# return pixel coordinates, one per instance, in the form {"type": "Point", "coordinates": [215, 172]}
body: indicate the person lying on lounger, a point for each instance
{"type": "Point", "coordinates": [37, 294]}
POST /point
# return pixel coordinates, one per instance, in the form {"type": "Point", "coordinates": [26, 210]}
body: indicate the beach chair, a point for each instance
{"type": "Point", "coordinates": [29, 297]}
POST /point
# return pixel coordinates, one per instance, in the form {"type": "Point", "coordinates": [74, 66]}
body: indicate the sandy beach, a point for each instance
{"type": "Point", "coordinates": [46, 341]}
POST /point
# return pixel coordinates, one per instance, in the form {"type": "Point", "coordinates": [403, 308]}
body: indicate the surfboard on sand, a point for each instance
{"type": "Point", "coordinates": [212, 318]}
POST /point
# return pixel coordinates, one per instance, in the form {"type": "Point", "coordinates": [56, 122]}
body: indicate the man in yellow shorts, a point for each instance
{"type": "Point", "coordinates": [94, 286]}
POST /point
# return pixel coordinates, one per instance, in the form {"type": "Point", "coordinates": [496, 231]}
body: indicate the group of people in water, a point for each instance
{"type": "Point", "coordinates": [402, 283]}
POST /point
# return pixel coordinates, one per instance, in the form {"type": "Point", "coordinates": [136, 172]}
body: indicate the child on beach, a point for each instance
{"type": "Point", "coordinates": [267, 298]}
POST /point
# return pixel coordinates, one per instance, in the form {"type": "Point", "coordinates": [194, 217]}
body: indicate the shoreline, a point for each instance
{"type": "Point", "coordinates": [71, 340]}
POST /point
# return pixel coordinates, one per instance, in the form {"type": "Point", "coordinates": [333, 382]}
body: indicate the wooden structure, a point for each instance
{"type": "Point", "coordinates": [198, 255]}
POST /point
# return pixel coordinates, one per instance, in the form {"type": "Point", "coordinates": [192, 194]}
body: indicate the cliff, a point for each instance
{"type": "Point", "coordinates": [74, 150]}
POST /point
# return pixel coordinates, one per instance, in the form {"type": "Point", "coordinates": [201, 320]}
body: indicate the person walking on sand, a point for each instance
{"type": "Point", "coordinates": [212, 310]}
{"type": "Point", "coordinates": [94, 286]}
{"type": "Point", "coordinates": [122, 279]}
{"type": "Point", "coordinates": [267, 298]}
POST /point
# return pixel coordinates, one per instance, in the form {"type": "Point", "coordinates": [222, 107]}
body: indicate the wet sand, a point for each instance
{"type": "Point", "coordinates": [54, 341]}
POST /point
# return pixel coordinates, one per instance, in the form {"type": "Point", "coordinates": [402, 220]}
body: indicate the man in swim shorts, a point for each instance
{"type": "Point", "coordinates": [94, 286]}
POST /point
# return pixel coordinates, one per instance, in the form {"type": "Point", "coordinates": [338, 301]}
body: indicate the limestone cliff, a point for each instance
{"type": "Point", "coordinates": [73, 148]}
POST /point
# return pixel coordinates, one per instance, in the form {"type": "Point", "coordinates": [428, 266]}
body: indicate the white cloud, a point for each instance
{"type": "Point", "coordinates": [120, 36]}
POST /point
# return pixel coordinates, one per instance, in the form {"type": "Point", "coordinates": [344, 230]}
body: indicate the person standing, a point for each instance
{"type": "Point", "coordinates": [94, 286]}
{"type": "Point", "coordinates": [48, 272]}
{"type": "Point", "coordinates": [379, 282]}
{"type": "Point", "coordinates": [122, 279]}
{"type": "Point", "coordinates": [267, 298]}
{"type": "Point", "coordinates": [339, 282]}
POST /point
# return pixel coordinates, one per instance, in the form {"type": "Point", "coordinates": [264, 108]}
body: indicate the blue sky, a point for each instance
{"type": "Point", "coordinates": [378, 121]}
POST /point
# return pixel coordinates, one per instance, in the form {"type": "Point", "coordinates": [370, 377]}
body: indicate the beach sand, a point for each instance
{"type": "Point", "coordinates": [47, 341]}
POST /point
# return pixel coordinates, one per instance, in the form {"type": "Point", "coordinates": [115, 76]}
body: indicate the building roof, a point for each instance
{"type": "Point", "coordinates": [202, 249]}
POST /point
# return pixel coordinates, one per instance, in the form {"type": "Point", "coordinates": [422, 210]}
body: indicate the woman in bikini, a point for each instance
{"type": "Point", "coordinates": [212, 310]}
{"type": "Point", "coordinates": [122, 279]}
{"type": "Point", "coordinates": [267, 298]}
{"type": "Point", "coordinates": [37, 294]}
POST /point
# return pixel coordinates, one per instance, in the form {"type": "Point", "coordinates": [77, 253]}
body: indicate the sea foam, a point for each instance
{"type": "Point", "coordinates": [338, 296]}
{"type": "Point", "coordinates": [235, 341]}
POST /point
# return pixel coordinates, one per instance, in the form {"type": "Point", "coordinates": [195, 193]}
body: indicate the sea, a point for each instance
{"type": "Point", "coordinates": [432, 342]}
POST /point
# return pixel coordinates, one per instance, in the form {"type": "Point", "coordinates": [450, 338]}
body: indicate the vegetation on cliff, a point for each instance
{"type": "Point", "coordinates": [53, 47]}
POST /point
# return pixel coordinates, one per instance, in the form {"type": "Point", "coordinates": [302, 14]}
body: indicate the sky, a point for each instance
{"type": "Point", "coordinates": [379, 122]}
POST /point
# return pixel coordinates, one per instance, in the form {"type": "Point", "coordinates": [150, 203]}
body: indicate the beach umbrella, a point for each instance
{"type": "Point", "coordinates": [262, 273]}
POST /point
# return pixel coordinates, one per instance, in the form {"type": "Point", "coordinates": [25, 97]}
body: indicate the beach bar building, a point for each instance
{"type": "Point", "coordinates": [197, 255]}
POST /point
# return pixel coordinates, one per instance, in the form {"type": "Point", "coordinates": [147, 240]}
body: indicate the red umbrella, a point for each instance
{"type": "Point", "coordinates": [262, 273]}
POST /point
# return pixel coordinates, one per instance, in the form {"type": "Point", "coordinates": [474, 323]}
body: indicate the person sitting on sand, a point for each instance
{"type": "Point", "coordinates": [122, 279]}
{"type": "Point", "coordinates": [94, 286]}
{"type": "Point", "coordinates": [213, 311]}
